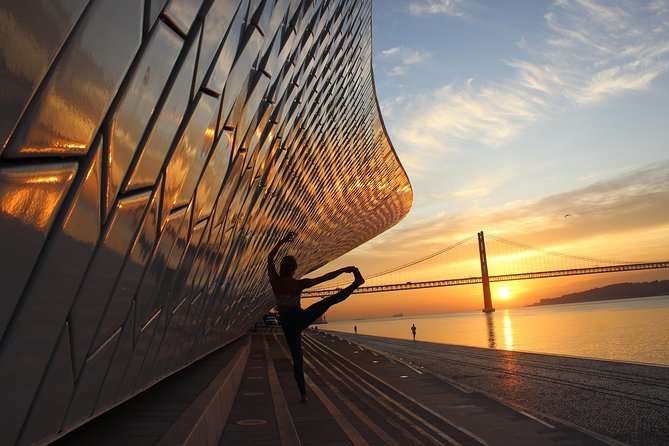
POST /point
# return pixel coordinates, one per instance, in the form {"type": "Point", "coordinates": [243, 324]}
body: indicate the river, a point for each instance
{"type": "Point", "coordinates": [632, 330]}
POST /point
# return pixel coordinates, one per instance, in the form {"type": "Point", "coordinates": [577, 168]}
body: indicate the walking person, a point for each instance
{"type": "Point", "coordinates": [355, 328]}
{"type": "Point", "coordinates": [287, 290]}
{"type": "Point", "coordinates": [413, 331]}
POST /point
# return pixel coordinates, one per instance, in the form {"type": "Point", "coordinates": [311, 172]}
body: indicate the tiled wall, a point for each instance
{"type": "Point", "coordinates": [152, 153]}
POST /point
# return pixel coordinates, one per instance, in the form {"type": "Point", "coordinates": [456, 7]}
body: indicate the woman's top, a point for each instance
{"type": "Point", "coordinates": [288, 300]}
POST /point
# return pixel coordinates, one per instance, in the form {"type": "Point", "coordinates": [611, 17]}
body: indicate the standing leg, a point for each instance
{"type": "Point", "coordinates": [294, 341]}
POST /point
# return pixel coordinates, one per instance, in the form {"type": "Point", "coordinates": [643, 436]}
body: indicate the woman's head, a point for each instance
{"type": "Point", "coordinates": [288, 266]}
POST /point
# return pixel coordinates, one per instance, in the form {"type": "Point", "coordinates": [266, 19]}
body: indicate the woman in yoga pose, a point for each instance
{"type": "Point", "coordinates": [287, 290]}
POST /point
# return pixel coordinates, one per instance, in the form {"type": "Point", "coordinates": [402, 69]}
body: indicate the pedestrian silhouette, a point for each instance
{"type": "Point", "coordinates": [287, 291]}
{"type": "Point", "coordinates": [413, 331]}
{"type": "Point", "coordinates": [355, 328]}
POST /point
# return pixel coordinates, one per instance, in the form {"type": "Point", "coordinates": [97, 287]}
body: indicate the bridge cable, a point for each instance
{"type": "Point", "coordinates": [559, 254]}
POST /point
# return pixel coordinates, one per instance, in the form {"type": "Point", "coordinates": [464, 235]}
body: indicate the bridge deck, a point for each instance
{"type": "Point", "coordinates": [492, 278]}
{"type": "Point", "coordinates": [360, 396]}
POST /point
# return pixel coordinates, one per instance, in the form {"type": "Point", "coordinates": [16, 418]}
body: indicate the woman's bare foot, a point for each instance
{"type": "Point", "coordinates": [357, 277]}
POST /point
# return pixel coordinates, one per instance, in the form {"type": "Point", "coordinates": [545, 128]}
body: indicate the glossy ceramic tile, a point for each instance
{"type": "Point", "coordinates": [156, 282]}
{"type": "Point", "coordinates": [109, 391]}
{"type": "Point", "coordinates": [31, 197]}
{"type": "Point", "coordinates": [216, 25]}
{"type": "Point", "coordinates": [140, 347]}
{"type": "Point", "coordinates": [146, 374]}
{"type": "Point", "coordinates": [192, 150]}
{"type": "Point", "coordinates": [182, 13]}
{"type": "Point", "coordinates": [269, 63]}
{"type": "Point", "coordinates": [213, 177]}
{"type": "Point", "coordinates": [174, 331]}
{"type": "Point", "coordinates": [146, 245]}
{"type": "Point", "coordinates": [48, 409]}
{"type": "Point", "coordinates": [223, 61]}
{"type": "Point", "coordinates": [133, 270]}
{"type": "Point", "coordinates": [89, 382]}
{"type": "Point", "coordinates": [26, 351]}
{"type": "Point", "coordinates": [249, 124]}
{"type": "Point", "coordinates": [248, 52]}
{"type": "Point", "coordinates": [138, 103]}
{"type": "Point", "coordinates": [155, 9]}
{"type": "Point", "coordinates": [30, 34]}
{"type": "Point", "coordinates": [68, 109]}
{"type": "Point", "coordinates": [102, 274]}
{"type": "Point", "coordinates": [160, 139]}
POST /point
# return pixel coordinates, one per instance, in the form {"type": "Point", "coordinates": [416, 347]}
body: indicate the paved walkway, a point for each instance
{"type": "Point", "coordinates": [625, 401]}
{"type": "Point", "coordinates": [360, 397]}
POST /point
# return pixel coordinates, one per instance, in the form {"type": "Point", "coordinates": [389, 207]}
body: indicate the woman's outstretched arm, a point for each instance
{"type": "Point", "coordinates": [308, 283]}
{"type": "Point", "coordinates": [271, 267]}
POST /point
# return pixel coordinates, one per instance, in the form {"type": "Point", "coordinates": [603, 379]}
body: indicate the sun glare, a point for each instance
{"type": "Point", "coordinates": [504, 293]}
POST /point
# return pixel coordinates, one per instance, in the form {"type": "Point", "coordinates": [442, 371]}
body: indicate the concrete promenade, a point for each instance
{"type": "Point", "coordinates": [627, 402]}
{"type": "Point", "coordinates": [245, 394]}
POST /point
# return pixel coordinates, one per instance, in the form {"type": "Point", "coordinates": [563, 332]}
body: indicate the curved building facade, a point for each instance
{"type": "Point", "coordinates": [153, 151]}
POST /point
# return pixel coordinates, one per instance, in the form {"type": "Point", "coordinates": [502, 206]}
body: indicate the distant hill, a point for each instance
{"type": "Point", "coordinates": [611, 292]}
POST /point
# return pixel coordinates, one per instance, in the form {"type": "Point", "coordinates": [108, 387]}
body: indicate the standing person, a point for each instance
{"type": "Point", "coordinates": [355, 328]}
{"type": "Point", "coordinates": [413, 331]}
{"type": "Point", "coordinates": [287, 290]}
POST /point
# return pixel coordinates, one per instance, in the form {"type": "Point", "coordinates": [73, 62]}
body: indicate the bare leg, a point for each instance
{"type": "Point", "coordinates": [294, 340]}
{"type": "Point", "coordinates": [314, 311]}
{"type": "Point", "coordinates": [293, 323]}
{"type": "Point", "coordinates": [298, 362]}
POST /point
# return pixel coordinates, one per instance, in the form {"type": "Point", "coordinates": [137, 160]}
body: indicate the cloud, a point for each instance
{"type": "Point", "coordinates": [453, 114]}
{"type": "Point", "coordinates": [398, 70]}
{"type": "Point", "coordinates": [608, 219]}
{"type": "Point", "coordinates": [604, 49]}
{"type": "Point", "coordinates": [390, 52]}
{"type": "Point", "coordinates": [625, 217]}
{"type": "Point", "coordinates": [471, 192]}
{"type": "Point", "coordinates": [434, 7]}
{"type": "Point", "coordinates": [402, 58]}
{"type": "Point", "coordinates": [589, 51]}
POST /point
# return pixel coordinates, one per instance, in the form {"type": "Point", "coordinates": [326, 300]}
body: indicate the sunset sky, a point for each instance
{"type": "Point", "coordinates": [507, 116]}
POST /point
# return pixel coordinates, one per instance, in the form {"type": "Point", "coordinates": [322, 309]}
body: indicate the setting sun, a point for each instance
{"type": "Point", "coordinates": [504, 293]}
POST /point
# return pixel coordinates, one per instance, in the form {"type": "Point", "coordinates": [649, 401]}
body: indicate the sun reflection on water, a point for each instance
{"type": "Point", "coordinates": [508, 331]}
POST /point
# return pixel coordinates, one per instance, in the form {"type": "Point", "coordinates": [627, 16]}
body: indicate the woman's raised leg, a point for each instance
{"type": "Point", "coordinates": [314, 311]}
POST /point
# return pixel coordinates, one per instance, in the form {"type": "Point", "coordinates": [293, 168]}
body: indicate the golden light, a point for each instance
{"type": "Point", "coordinates": [504, 293]}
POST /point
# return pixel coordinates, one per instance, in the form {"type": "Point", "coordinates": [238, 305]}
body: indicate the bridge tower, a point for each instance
{"type": "Point", "coordinates": [485, 281]}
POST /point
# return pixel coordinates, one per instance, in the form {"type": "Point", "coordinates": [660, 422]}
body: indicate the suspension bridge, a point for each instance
{"type": "Point", "coordinates": [469, 262]}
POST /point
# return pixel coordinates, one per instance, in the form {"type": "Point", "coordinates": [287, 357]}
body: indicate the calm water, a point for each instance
{"type": "Point", "coordinates": [626, 330]}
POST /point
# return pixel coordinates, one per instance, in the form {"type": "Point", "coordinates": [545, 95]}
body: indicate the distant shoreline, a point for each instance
{"type": "Point", "coordinates": [628, 290]}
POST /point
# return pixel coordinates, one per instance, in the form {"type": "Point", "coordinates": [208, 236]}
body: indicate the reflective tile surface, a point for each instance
{"type": "Point", "coordinates": [152, 152]}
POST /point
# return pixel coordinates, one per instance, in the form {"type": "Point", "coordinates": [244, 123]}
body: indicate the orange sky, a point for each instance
{"type": "Point", "coordinates": [470, 297]}
{"type": "Point", "coordinates": [625, 218]}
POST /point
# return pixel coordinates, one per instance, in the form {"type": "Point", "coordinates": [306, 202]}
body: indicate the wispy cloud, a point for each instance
{"type": "Point", "coordinates": [603, 49]}
{"type": "Point", "coordinates": [444, 118]}
{"type": "Point", "coordinates": [589, 51]}
{"type": "Point", "coordinates": [615, 210]}
{"type": "Point", "coordinates": [434, 7]}
{"type": "Point", "coordinates": [403, 57]}
{"type": "Point", "coordinates": [406, 55]}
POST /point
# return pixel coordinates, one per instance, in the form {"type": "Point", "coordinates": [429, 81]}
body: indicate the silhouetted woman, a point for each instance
{"type": "Point", "coordinates": [287, 290]}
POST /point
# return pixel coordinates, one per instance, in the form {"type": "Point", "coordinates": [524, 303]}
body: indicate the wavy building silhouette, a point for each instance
{"type": "Point", "coordinates": [152, 152]}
